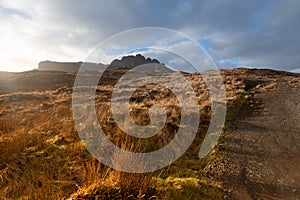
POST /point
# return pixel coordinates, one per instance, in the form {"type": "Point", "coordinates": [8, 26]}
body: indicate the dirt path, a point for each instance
{"type": "Point", "coordinates": [263, 151]}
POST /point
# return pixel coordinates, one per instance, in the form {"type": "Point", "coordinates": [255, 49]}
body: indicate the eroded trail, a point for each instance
{"type": "Point", "coordinates": [262, 153]}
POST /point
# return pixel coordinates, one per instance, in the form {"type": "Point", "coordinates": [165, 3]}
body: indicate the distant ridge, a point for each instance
{"type": "Point", "coordinates": [126, 61]}
{"type": "Point", "coordinates": [59, 66]}
{"type": "Point", "coordinates": [68, 66]}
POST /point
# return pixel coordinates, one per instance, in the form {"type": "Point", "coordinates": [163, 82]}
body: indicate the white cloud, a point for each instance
{"type": "Point", "coordinates": [256, 33]}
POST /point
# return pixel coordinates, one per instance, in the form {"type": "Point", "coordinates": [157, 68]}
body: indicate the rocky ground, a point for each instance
{"type": "Point", "coordinates": [261, 151]}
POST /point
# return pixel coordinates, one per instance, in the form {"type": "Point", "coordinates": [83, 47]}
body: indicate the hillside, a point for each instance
{"type": "Point", "coordinates": [256, 158]}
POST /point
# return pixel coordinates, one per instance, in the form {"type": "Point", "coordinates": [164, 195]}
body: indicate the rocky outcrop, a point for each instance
{"type": "Point", "coordinates": [131, 61]}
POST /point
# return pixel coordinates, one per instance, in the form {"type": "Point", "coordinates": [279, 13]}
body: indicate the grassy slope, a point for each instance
{"type": "Point", "coordinates": [43, 159]}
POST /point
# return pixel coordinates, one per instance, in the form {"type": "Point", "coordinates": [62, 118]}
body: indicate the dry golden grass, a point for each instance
{"type": "Point", "coordinates": [42, 156]}
{"type": "Point", "coordinates": [45, 159]}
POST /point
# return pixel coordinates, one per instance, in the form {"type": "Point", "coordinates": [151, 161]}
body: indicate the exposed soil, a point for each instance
{"type": "Point", "coordinates": [261, 159]}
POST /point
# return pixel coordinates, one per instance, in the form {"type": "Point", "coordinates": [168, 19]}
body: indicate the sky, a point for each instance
{"type": "Point", "coordinates": [258, 33]}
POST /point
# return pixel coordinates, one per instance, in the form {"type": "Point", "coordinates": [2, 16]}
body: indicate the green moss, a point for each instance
{"type": "Point", "coordinates": [187, 188]}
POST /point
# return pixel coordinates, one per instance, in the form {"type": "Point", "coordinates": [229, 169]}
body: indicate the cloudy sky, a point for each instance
{"type": "Point", "coordinates": [235, 33]}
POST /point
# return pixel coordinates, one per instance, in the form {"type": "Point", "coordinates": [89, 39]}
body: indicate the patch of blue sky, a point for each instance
{"type": "Point", "coordinates": [138, 50]}
{"type": "Point", "coordinates": [255, 20]}
{"type": "Point", "coordinates": [206, 43]}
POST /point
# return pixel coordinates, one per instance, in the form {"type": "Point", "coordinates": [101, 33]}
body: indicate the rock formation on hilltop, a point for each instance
{"type": "Point", "coordinates": [131, 61]}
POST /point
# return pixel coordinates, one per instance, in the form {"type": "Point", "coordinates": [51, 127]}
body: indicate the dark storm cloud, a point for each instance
{"type": "Point", "coordinates": [275, 41]}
